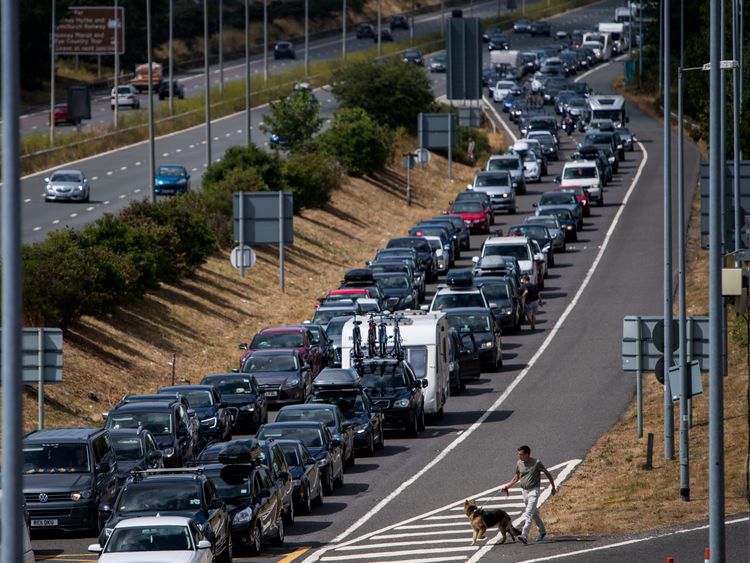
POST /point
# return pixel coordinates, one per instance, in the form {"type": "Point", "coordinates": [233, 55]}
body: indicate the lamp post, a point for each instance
{"type": "Point", "coordinates": [117, 65]}
{"type": "Point", "coordinates": [151, 148]}
{"type": "Point", "coordinates": [265, 42]}
{"type": "Point", "coordinates": [171, 55]}
{"type": "Point", "coordinates": [380, 49]}
{"type": "Point", "coordinates": [53, 56]}
{"type": "Point", "coordinates": [221, 48]}
{"type": "Point", "coordinates": [343, 30]}
{"type": "Point", "coordinates": [207, 84]}
{"type": "Point", "coordinates": [307, 38]}
{"type": "Point", "coordinates": [248, 136]}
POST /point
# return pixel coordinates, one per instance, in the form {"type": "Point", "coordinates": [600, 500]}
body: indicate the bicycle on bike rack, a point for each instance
{"type": "Point", "coordinates": [357, 354]}
{"type": "Point", "coordinates": [371, 335]}
{"type": "Point", "coordinates": [398, 349]}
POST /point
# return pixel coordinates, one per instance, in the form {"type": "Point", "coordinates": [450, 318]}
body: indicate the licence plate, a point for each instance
{"type": "Point", "coordinates": [43, 522]}
{"type": "Point", "coordinates": [272, 393]}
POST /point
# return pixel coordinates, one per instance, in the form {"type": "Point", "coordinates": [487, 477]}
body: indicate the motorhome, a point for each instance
{"type": "Point", "coordinates": [424, 338]}
{"type": "Point", "coordinates": [608, 107]}
{"type": "Point", "coordinates": [618, 35]}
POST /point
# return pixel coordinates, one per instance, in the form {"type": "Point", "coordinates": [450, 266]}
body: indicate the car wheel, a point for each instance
{"type": "Point", "coordinates": [420, 422]}
{"type": "Point", "coordinates": [564, 247]}
{"type": "Point", "coordinates": [601, 201]}
{"type": "Point", "coordinates": [381, 438]}
{"type": "Point", "coordinates": [280, 533]}
{"type": "Point", "coordinates": [255, 540]}
{"type": "Point", "coordinates": [307, 501]}
{"type": "Point", "coordinates": [350, 459]}
{"type": "Point", "coordinates": [329, 485]}
{"type": "Point", "coordinates": [289, 515]}
{"type": "Point", "coordinates": [413, 429]}
{"type": "Point", "coordinates": [551, 260]}
{"type": "Point", "coordinates": [499, 361]}
{"type": "Point", "coordinates": [340, 480]}
{"type": "Point", "coordinates": [371, 445]}
{"type": "Point", "coordinates": [318, 500]}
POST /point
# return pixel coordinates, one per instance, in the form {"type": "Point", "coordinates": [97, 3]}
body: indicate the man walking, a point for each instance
{"type": "Point", "coordinates": [528, 476]}
{"type": "Point", "coordinates": [532, 300]}
{"type": "Point", "coordinates": [470, 151]}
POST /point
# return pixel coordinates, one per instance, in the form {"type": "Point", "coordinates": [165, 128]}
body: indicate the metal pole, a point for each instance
{"type": "Point", "coordinates": [380, 11]}
{"type": "Point", "coordinates": [118, 23]}
{"type": "Point", "coordinates": [98, 66]}
{"type": "Point", "coordinates": [411, 25]}
{"type": "Point", "coordinates": [640, 42]}
{"type": "Point", "coordinates": [12, 298]}
{"type": "Point", "coordinates": [716, 383]}
{"type": "Point", "coordinates": [668, 345]}
{"type": "Point", "coordinates": [685, 390]}
{"type": "Point", "coordinates": [53, 56]}
{"type": "Point", "coordinates": [408, 179]}
{"type": "Point", "coordinates": [307, 38]}
{"type": "Point", "coordinates": [736, 135]}
{"type": "Point", "coordinates": [281, 240]}
{"type": "Point", "coordinates": [221, 48]}
{"type": "Point", "coordinates": [242, 231]}
{"type": "Point", "coordinates": [661, 46]}
{"type": "Point", "coordinates": [343, 30]}
{"type": "Point", "coordinates": [639, 377]}
{"type": "Point", "coordinates": [265, 41]}
{"type": "Point", "coordinates": [171, 56]}
{"type": "Point", "coordinates": [207, 86]}
{"type": "Point", "coordinates": [40, 383]}
{"type": "Point", "coordinates": [630, 31]}
{"type": "Point", "coordinates": [450, 145]}
{"type": "Point", "coordinates": [248, 101]}
{"type": "Point", "coordinates": [151, 147]}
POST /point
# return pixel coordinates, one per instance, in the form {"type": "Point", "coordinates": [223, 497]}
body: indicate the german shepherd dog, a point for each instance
{"type": "Point", "coordinates": [482, 519]}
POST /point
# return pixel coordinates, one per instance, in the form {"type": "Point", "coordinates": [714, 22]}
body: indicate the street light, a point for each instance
{"type": "Point", "coordinates": [307, 38]}
{"type": "Point", "coordinates": [207, 84]}
{"type": "Point", "coordinates": [171, 55]}
{"type": "Point", "coordinates": [151, 148]}
{"type": "Point", "coordinates": [343, 30]}
{"type": "Point", "coordinates": [52, 78]}
{"type": "Point", "coordinates": [265, 42]}
{"type": "Point", "coordinates": [248, 138]}
{"type": "Point", "coordinates": [380, 11]}
{"type": "Point", "coordinates": [221, 48]}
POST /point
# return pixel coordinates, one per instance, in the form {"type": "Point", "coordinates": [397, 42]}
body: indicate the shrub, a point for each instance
{"type": "Point", "coordinates": [268, 166]}
{"type": "Point", "coordinates": [294, 118]}
{"type": "Point", "coordinates": [359, 143]}
{"type": "Point", "coordinates": [311, 178]}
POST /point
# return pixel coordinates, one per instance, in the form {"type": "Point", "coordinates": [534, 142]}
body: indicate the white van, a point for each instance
{"type": "Point", "coordinates": [424, 337]}
{"type": "Point", "coordinates": [519, 248]}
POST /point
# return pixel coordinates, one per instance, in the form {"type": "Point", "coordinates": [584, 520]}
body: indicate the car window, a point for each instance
{"type": "Point", "coordinates": [576, 172]}
{"type": "Point", "coordinates": [264, 363]}
{"type": "Point", "coordinates": [128, 449]}
{"type": "Point", "coordinates": [155, 496]}
{"type": "Point", "coordinates": [234, 386]}
{"type": "Point", "coordinates": [199, 398]}
{"type": "Point", "coordinates": [320, 415]}
{"type": "Point", "coordinates": [417, 358]}
{"type": "Point", "coordinates": [458, 299]}
{"type": "Point", "coordinates": [56, 458]}
{"type": "Point", "coordinates": [276, 340]}
{"type": "Point", "coordinates": [518, 251]}
{"type": "Point", "coordinates": [158, 423]}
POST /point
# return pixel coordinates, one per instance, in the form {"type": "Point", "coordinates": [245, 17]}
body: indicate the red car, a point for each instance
{"type": "Point", "coordinates": [582, 195]}
{"type": "Point", "coordinates": [289, 338]}
{"type": "Point", "coordinates": [61, 115]}
{"type": "Point", "coordinates": [474, 214]}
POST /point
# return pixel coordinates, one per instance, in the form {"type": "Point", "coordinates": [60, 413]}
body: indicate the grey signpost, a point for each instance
{"type": "Point", "coordinates": [437, 131]}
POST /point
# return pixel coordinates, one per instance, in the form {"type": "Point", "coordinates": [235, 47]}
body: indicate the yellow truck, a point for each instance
{"type": "Point", "coordinates": [140, 79]}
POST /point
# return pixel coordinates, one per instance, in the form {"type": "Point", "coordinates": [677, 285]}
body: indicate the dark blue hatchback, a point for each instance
{"type": "Point", "coordinates": [171, 179]}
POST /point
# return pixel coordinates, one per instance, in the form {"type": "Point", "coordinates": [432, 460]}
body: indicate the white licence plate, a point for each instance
{"type": "Point", "coordinates": [43, 522]}
{"type": "Point", "coordinates": [272, 394]}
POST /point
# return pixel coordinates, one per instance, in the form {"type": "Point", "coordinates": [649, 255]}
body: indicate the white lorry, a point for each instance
{"type": "Point", "coordinates": [424, 337]}
{"type": "Point", "coordinates": [510, 60]}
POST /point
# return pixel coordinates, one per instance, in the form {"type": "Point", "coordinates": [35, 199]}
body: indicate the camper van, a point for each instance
{"type": "Point", "coordinates": [618, 36]}
{"type": "Point", "coordinates": [608, 107]}
{"type": "Point", "coordinates": [424, 337]}
{"type": "Point", "coordinates": [601, 43]}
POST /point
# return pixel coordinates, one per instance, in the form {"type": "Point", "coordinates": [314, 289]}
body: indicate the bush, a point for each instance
{"type": "Point", "coordinates": [268, 166]}
{"type": "Point", "coordinates": [311, 178]}
{"type": "Point", "coordinates": [393, 93]}
{"type": "Point", "coordinates": [294, 118]}
{"type": "Point", "coordinates": [359, 143]}
{"type": "Point", "coordinates": [482, 149]}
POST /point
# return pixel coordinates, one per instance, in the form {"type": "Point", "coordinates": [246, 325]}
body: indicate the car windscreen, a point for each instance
{"type": "Point", "coordinates": [417, 358]}
{"type": "Point", "coordinates": [278, 340]}
{"type": "Point", "coordinates": [323, 316]}
{"type": "Point", "coordinates": [541, 136]}
{"type": "Point", "coordinates": [517, 251]}
{"type": "Point", "coordinates": [149, 538]}
{"type": "Point", "coordinates": [198, 398]}
{"type": "Point", "coordinates": [400, 282]}
{"type": "Point", "coordinates": [311, 437]}
{"type": "Point", "coordinates": [467, 207]}
{"type": "Point", "coordinates": [153, 497]}
{"type": "Point", "coordinates": [159, 423]}
{"type": "Point", "coordinates": [55, 457]}
{"type": "Point", "coordinates": [317, 415]}
{"type": "Point", "coordinates": [275, 362]}
{"type": "Point", "coordinates": [491, 180]}
{"type": "Point", "coordinates": [503, 164]}
{"type": "Point", "coordinates": [336, 326]}
{"type": "Point", "coordinates": [65, 177]}
{"type": "Point", "coordinates": [418, 244]}
{"type": "Point", "coordinates": [380, 376]}
{"type": "Point", "coordinates": [233, 386]}
{"type": "Point", "coordinates": [496, 292]}
{"type": "Point", "coordinates": [231, 485]}
{"type": "Point", "coordinates": [457, 299]}
{"type": "Point", "coordinates": [170, 171]}
{"type": "Point", "coordinates": [576, 172]}
{"type": "Point", "coordinates": [563, 214]}
{"type": "Point", "coordinates": [435, 244]}
{"type": "Point", "coordinates": [469, 322]}
{"type": "Point", "coordinates": [536, 232]}
{"type": "Point", "coordinates": [557, 199]}
{"type": "Point", "coordinates": [128, 449]}
{"type": "Point", "coordinates": [351, 404]}
{"type": "Point", "coordinates": [547, 220]}
{"type": "Point", "coordinates": [597, 139]}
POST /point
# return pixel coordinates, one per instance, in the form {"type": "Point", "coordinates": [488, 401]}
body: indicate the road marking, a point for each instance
{"type": "Point", "coordinates": [37, 229]}
{"type": "Point", "coordinates": [138, 163]}
{"type": "Point", "coordinates": [630, 542]}
{"type": "Point", "coordinates": [294, 554]}
{"type": "Point", "coordinates": [123, 168]}
{"type": "Point", "coordinates": [109, 173]}
{"type": "Point", "coordinates": [73, 215]}
{"type": "Point", "coordinates": [419, 535]}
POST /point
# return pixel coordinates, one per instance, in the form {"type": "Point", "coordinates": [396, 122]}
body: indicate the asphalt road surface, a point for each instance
{"type": "Point", "coordinates": [561, 386]}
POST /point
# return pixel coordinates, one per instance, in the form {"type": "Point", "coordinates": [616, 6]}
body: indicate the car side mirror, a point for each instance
{"type": "Point", "coordinates": [424, 382]}
{"type": "Point", "coordinates": [493, 305]}
{"type": "Point", "coordinates": [96, 548]}
{"type": "Point", "coordinates": [243, 346]}
{"type": "Point", "coordinates": [535, 205]}
{"type": "Point", "coordinates": [557, 179]}
{"type": "Point", "coordinates": [204, 544]}
{"type": "Point", "coordinates": [475, 259]}
{"type": "Point", "coordinates": [155, 455]}
{"type": "Point", "coordinates": [46, 180]}
{"type": "Point", "coordinates": [424, 307]}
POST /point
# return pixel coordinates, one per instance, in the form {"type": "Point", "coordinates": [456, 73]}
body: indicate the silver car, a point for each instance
{"type": "Point", "coordinates": [499, 186]}
{"type": "Point", "coordinates": [67, 185]}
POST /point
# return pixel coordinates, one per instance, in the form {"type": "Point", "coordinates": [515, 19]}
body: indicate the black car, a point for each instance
{"type": "Point", "coordinates": [216, 419]}
{"type": "Point", "coordinates": [318, 337]}
{"type": "Point", "coordinates": [502, 292]}
{"type": "Point", "coordinates": [385, 35]}
{"type": "Point", "coordinates": [284, 50]}
{"type": "Point", "coordinates": [253, 502]}
{"type": "Point", "coordinates": [540, 28]}
{"type": "Point", "coordinates": [522, 26]}
{"type": "Point", "coordinates": [69, 475]}
{"type": "Point", "coordinates": [328, 414]}
{"type": "Point", "coordinates": [568, 222]}
{"type": "Point", "coordinates": [396, 266]}
{"type": "Point", "coordinates": [463, 234]}
{"type": "Point", "coordinates": [413, 56]}
{"type": "Point", "coordinates": [327, 451]}
{"type": "Point", "coordinates": [399, 291]}
{"type": "Point", "coordinates": [399, 21]}
{"type": "Point", "coordinates": [392, 386]}
{"type": "Point", "coordinates": [178, 492]}
{"type": "Point", "coordinates": [272, 457]}
{"type": "Point", "coordinates": [497, 42]}
{"type": "Point", "coordinates": [343, 388]}
{"type": "Point", "coordinates": [281, 374]}
{"type": "Point", "coordinates": [136, 450]}
{"type": "Point", "coordinates": [480, 322]}
{"type": "Point", "coordinates": [306, 475]}
{"type": "Point", "coordinates": [178, 89]}
{"type": "Point", "coordinates": [365, 31]}
{"type": "Point", "coordinates": [240, 390]}
{"type": "Point", "coordinates": [463, 360]}
{"type": "Point", "coordinates": [168, 421]}
{"type": "Point", "coordinates": [424, 253]}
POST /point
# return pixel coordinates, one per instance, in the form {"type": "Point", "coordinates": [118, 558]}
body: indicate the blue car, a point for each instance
{"type": "Point", "coordinates": [171, 179]}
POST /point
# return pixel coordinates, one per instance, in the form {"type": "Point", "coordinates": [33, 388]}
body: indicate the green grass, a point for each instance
{"type": "Point", "coordinates": [39, 154]}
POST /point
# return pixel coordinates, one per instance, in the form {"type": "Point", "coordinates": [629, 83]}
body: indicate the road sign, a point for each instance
{"type": "Point", "coordinates": [436, 130]}
{"type": "Point", "coordinates": [675, 381]}
{"type": "Point", "coordinates": [260, 215]}
{"type": "Point", "coordinates": [423, 156]}
{"type": "Point", "coordinates": [41, 347]}
{"type": "Point", "coordinates": [410, 161]}
{"type": "Point", "coordinates": [90, 30]}
{"type": "Point", "coordinates": [242, 257]}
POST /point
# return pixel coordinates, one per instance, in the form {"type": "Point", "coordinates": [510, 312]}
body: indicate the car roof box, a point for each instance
{"type": "Point", "coordinates": [358, 275]}
{"type": "Point", "coordinates": [246, 453]}
{"type": "Point", "coordinates": [460, 278]}
{"type": "Point", "coordinates": [337, 378]}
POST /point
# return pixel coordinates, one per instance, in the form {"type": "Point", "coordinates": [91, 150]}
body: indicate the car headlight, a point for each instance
{"type": "Point", "coordinates": [182, 182]}
{"type": "Point", "coordinates": [78, 188]}
{"type": "Point", "coordinates": [401, 404]}
{"type": "Point", "coordinates": [78, 495]}
{"type": "Point", "coordinates": [507, 311]}
{"type": "Point", "coordinates": [247, 408]}
{"type": "Point", "coordinates": [569, 227]}
{"type": "Point", "coordinates": [487, 344]}
{"type": "Point", "coordinates": [210, 422]}
{"type": "Point", "coordinates": [292, 381]}
{"type": "Point", "coordinates": [408, 299]}
{"type": "Point", "coordinates": [611, 159]}
{"type": "Point", "coordinates": [168, 452]}
{"type": "Point", "coordinates": [243, 516]}
{"type": "Point", "coordinates": [360, 428]}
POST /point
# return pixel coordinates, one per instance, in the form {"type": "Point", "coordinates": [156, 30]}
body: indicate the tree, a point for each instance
{"type": "Point", "coordinates": [294, 119]}
{"type": "Point", "coordinates": [393, 93]}
{"type": "Point", "coordinates": [361, 145]}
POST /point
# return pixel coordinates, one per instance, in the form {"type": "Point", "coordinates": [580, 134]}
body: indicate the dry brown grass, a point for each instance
{"type": "Point", "coordinates": [203, 319]}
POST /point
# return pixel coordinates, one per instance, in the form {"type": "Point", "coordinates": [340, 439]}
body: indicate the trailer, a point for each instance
{"type": "Point", "coordinates": [509, 60]}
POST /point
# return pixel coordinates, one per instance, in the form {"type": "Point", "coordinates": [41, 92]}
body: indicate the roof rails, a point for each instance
{"type": "Point", "coordinates": [140, 474]}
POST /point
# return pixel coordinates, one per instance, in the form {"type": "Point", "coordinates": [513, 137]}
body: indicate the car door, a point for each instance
{"type": "Point", "coordinates": [346, 430]}
{"type": "Point", "coordinates": [186, 439]}
{"type": "Point", "coordinates": [269, 510]}
{"type": "Point", "coordinates": [216, 515]}
{"type": "Point", "coordinates": [314, 353]}
{"type": "Point", "coordinates": [336, 451]}
{"type": "Point", "coordinates": [106, 482]}
{"type": "Point", "coordinates": [281, 475]}
{"type": "Point", "coordinates": [469, 356]}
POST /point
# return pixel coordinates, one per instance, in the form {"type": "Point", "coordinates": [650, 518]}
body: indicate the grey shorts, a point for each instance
{"type": "Point", "coordinates": [531, 308]}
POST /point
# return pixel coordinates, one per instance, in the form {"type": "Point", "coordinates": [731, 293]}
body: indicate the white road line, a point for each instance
{"type": "Point", "coordinates": [123, 168]}
{"type": "Point", "coordinates": [630, 542]}
{"type": "Point", "coordinates": [500, 119]}
{"type": "Point", "coordinates": [380, 556]}
{"type": "Point", "coordinates": [27, 200]}
{"type": "Point", "coordinates": [138, 163]}
{"type": "Point", "coordinates": [109, 173]}
{"type": "Point", "coordinates": [411, 535]}
{"type": "Point", "coordinates": [37, 229]}
{"type": "Point", "coordinates": [73, 215]}
{"type": "Point", "coordinates": [94, 178]}
{"type": "Point", "coordinates": [56, 222]}
{"type": "Point", "coordinates": [406, 543]}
